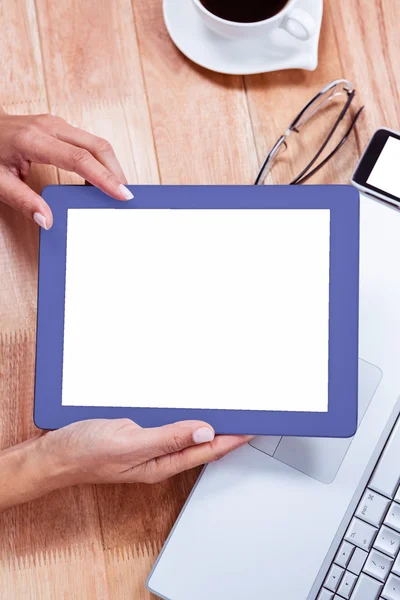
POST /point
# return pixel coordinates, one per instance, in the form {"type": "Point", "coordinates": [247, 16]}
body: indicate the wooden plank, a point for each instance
{"type": "Point", "coordinates": [127, 571]}
{"type": "Point", "coordinates": [136, 520]}
{"type": "Point", "coordinates": [18, 267]}
{"type": "Point", "coordinates": [93, 74]}
{"type": "Point", "coordinates": [201, 123]}
{"type": "Point", "coordinates": [22, 78]}
{"type": "Point", "coordinates": [368, 42]}
{"type": "Point", "coordinates": [39, 539]}
{"type": "Point", "coordinates": [17, 361]}
{"type": "Point", "coordinates": [69, 573]}
{"type": "Point", "coordinates": [19, 244]}
{"type": "Point", "coordinates": [22, 91]}
{"type": "Point", "coordinates": [89, 50]}
{"type": "Point", "coordinates": [140, 516]}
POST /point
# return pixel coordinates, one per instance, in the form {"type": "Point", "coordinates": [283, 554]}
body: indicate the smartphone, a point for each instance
{"type": "Point", "coordinates": [378, 171]}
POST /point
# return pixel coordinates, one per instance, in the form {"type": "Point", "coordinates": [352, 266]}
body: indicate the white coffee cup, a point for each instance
{"type": "Point", "coordinates": [296, 21]}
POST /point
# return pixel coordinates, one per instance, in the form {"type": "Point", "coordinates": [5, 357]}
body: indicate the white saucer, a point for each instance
{"type": "Point", "coordinates": [243, 57]}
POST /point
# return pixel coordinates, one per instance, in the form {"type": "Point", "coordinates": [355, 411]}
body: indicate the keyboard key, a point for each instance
{"type": "Point", "coordinates": [325, 595]}
{"type": "Point", "coordinates": [372, 508]}
{"type": "Point", "coordinates": [347, 584]}
{"type": "Point", "coordinates": [333, 578]}
{"type": "Point", "coordinates": [396, 566]}
{"type": "Point", "coordinates": [397, 496]}
{"type": "Point", "coordinates": [386, 477]}
{"type": "Point", "coordinates": [392, 588]}
{"type": "Point", "coordinates": [366, 588]}
{"type": "Point", "coordinates": [357, 561]}
{"type": "Point", "coordinates": [344, 554]}
{"type": "Point", "coordinates": [378, 565]}
{"type": "Point", "coordinates": [393, 517]}
{"type": "Point", "coordinates": [387, 541]}
{"type": "Point", "coordinates": [361, 534]}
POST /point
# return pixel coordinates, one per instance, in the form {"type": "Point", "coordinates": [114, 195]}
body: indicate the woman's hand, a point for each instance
{"type": "Point", "coordinates": [120, 451]}
{"type": "Point", "coordinates": [46, 139]}
{"type": "Point", "coordinates": [107, 451]}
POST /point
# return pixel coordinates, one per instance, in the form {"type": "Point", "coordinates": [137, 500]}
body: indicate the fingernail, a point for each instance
{"type": "Point", "coordinates": [40, 220]}
{"type": "Point", "coordinates": [203, 435]}
{"type": "Point", "coordinates": [125, 192]}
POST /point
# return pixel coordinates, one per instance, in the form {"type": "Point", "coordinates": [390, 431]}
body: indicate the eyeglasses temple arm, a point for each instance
{"type": "Point", "coordinates": [298, 181]}
{"type": "Point", "coordinates": [268, 158]}
{"type": "Point", "coordinates": [328, 138]}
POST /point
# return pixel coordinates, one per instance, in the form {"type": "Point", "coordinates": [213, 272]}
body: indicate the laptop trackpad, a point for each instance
{"type": "Point", "coordinates": [321, 458]}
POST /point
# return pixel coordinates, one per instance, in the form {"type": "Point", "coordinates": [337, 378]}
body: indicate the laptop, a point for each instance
{"type": "Point", "coordinates": [305, 518]}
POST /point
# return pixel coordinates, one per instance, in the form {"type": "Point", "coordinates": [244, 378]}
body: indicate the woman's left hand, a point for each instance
{"type": "Point", "coordinates": [120, 451]}
{"type": "Point", "coordinates": [107, 451]}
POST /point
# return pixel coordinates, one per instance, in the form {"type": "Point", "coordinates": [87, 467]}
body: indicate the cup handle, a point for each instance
{"type": "Point", "coordinates": [300, 24]}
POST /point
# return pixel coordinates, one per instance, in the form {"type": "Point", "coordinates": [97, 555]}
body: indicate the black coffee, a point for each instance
{"type": "Point", "coordinates": [244, 11]}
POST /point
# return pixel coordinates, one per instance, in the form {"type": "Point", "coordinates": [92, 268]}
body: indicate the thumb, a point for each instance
{"type": "Point", "coordinates": [159, 441]}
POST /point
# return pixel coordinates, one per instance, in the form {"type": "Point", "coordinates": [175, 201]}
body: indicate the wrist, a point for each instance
{"type": "Point", "coordinates": [58, 468]}
{"type": "Point", "coordinates": [26, 473]}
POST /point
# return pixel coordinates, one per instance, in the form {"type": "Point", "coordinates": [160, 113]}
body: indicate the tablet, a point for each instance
{"type": "Point", "coordinates": [236, 305]}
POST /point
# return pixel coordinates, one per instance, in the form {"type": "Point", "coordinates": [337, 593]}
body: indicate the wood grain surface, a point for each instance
{"type": "Point", "coordinates": [111, 68]}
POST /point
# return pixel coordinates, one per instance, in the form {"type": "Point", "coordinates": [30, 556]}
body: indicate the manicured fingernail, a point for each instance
{"type": "Point", "coordinates": [203, 435]}
{"type": "Point", "coordinates": [40, 220]}
{"type": "Point", "coordinates": [125, 192]}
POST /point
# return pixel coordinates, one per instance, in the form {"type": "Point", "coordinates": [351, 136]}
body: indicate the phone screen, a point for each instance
{"type": "Point", "coordinates": [385, 175]}
{"type": "Point", "coordinates": [378, 169]}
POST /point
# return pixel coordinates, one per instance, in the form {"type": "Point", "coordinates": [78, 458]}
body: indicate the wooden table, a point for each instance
{"type": "Point", "coordinates": [109, 66]}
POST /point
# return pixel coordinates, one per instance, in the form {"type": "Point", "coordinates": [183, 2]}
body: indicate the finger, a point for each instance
{"type": "Point", "coordinates": [167, 466]}
{"type": "Point", "coordinates": [97, 146]}
{"type": "Point", "coordinates": [49, 150]}
{"type": "Point", "coordinates": [159, 441]}
{"type": "Point", "coordinates": [17, 194]}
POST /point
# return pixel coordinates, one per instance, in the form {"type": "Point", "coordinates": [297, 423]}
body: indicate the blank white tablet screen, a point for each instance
{"type": "Point", "coordinates": [221, 309]}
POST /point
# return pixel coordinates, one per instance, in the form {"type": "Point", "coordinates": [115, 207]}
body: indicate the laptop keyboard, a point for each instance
{"type": "Point", "coordinates": [367, 564]}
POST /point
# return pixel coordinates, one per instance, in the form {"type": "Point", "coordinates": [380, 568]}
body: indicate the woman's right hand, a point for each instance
{"type": "Point", "coordinates": [50, 140]}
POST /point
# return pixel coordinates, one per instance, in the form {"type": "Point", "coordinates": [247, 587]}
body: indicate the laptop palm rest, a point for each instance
{"type": "Point", "coordinates": [321, 458]}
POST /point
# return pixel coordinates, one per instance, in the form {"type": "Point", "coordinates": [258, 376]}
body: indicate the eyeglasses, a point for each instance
{"type": "Point", "coordinates": [340, 87]}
